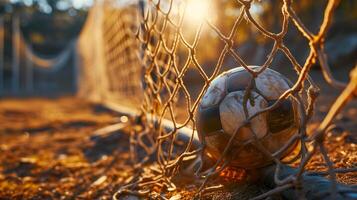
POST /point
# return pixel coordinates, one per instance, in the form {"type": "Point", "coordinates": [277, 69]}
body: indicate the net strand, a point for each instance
{"type": "Point", "coordinates": [155, 53]}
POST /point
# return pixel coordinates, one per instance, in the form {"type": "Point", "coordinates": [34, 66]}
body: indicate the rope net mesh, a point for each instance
{"type": "Point", "coordinates": [157, 58]}
{"type": "Point", "coordinates": [108, 51]}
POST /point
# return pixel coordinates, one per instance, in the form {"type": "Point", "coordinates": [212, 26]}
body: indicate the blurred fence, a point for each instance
{"type": "Point", "coordinates": [151, 56]}
{"type": "Point", "coordinates": [25, 72]}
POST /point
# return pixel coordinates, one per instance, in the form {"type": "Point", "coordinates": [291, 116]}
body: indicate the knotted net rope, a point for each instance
{"type": "Point", "coordinates": [149, 60]}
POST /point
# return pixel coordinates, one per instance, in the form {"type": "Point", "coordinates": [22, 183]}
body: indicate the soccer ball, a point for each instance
{"type": "Point", "coordinates": [221, 112]}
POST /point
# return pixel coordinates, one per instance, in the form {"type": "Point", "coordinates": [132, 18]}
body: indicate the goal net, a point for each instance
{"type": "Point", "coordinates": [156, 59]}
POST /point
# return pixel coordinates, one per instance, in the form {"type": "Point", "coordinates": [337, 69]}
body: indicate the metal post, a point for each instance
{"type": "Point", "coordinates": [15, 54]}
{"type": "Point", "coordinates": [2, 42]}
{"type": "Point", "coordinates": [76, 63]}
{"type": "Point", "coordinates": [29, 71]}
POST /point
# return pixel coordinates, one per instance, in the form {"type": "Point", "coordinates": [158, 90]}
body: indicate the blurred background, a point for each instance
{"type": "Point", "coordinates": [39, 54]}
{"type": "Point", "coordinates": [38, 46]}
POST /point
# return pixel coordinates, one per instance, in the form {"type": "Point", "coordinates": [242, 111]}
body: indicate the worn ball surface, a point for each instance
{"type": "Point", "coordinates": [221, 111]}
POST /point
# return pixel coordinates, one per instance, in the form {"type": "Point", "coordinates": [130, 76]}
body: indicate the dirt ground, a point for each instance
{"type": "Point", "coordinates": [46, 151]}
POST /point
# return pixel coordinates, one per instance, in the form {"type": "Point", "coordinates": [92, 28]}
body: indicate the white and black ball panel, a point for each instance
{"type": "Point", "coordinates": [271, 84]}
{"type": "Point", "coordinates": [238, 78]}
{"type": "Point", "coordinates": [232, 115]}
{"type": "Point", "coordinates": [209, 120]}
{"type": "Point", "coordinates": [215, 92]}
{"type": "Point", "coordinates": [281, 117]}
{"type": "Point", "coordinates": [238, 81]}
